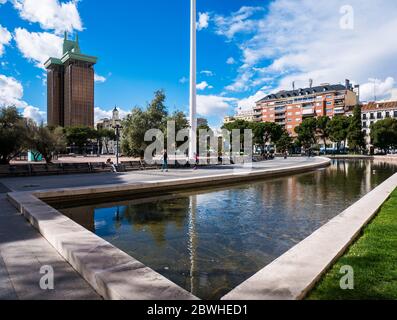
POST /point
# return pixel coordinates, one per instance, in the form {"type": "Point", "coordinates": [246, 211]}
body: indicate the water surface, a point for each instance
{"type": "Point", "coordinates": [210, 241]}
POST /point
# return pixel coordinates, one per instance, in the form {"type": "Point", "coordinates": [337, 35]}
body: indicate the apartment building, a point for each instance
{"type": "Point", "coordinates": [242, 115]}
{"type": "Point", "coordinates": [290, 108]}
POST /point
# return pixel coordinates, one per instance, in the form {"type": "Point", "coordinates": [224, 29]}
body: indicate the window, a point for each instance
{"type": "Point", "coordinates": [329, 103]}
{"type": "Point", "coordinates": [387, 114]}
{"type": "Point", "coordinates": [364, 116]}
{"type": "Point", "coordinates": [329, 96]}
{"type": "Point", "coordinates": [329, 111]}
{"type": "Point", "coordinates": [364, 124]}
{"type": "Point", "coordinates": [372, 116]}
{"type": "Point", "coordinates": [395, 114]}
{"type": "Point", "coordinates": [379, 115]}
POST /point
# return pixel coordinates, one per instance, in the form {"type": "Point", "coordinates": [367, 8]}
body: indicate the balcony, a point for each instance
{"type": "Point", "coordinates": [339, 110]}
{"type": "Point", "coordinates": [308, 112]}
{"type": "Point", "coordinates": [340, 97]}
{"type": "Point", "coordinates": [280, 116]}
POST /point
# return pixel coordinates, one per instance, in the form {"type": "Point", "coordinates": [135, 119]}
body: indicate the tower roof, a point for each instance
{"type": "Point", "coordinates": [71, 51]}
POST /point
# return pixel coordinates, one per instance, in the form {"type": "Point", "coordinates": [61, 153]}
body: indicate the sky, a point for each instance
{"type": "Point", "coordinates": [246, 50]}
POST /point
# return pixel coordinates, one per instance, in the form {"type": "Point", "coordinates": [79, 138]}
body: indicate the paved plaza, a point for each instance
{"type": "Point", "coordinates": [23, 251]}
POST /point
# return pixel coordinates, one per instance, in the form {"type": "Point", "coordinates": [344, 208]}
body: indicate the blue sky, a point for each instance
{"type": "Point", "coordinates": [246, 48]}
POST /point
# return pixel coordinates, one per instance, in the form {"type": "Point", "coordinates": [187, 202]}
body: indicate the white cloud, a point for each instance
{"type": "Point", "coordinates": [11, 94]}
{"type": "Point", "coordinates": [204, 85]}
{"type": "Point", "coordinates": [208, 73]}
{"type": "Point", "coordinates": [3, 1]}
{"type": "Point", "coordinates": [230, 60]}
{"type": "Point", "coordinates": [101, 114]}
{"type": "Point", "coordinates": [183, 80]}
{"type": "Point", "coordinates": [375, 87]}
{"type": "Point", "coordinates": [214, 106]}
{"type": "Point", "coordinates": [237, 22]}
{"type": "Point", "coordinates": [286, 45]}
{"type": "Point", "coordinates": [249, 103]}
{"type": "Point", "coordinates": [35, 114]}
{"type": "Point", "coordinates": [38, 46]}
{"type": "Point", "coordinates": [203, 21]}
{"type": "Point", "coordinates": [99, 78]}
{"type": "Point", "coordinates": [5, 38]}
{"type": "Point", "coordinates": [51, 14]}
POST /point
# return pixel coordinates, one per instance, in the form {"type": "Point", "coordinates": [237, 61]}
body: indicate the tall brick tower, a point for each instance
{"type": "Point", "coordinates": [70, 87]}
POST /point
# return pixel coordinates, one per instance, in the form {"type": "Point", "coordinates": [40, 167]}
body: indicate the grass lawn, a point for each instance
{"type": "Point", "coordinates": [373, 258]}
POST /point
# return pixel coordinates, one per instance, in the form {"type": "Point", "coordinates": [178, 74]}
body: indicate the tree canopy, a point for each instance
{"type": "Point", "coordinates": [384, 134]}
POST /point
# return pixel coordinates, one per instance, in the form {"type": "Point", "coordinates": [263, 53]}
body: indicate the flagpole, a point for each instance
{"type": "Point", "coordinates": [193, 81]}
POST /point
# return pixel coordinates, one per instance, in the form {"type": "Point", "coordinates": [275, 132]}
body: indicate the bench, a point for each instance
{"type": "Point", "coordinates": [98, 167]}
{"type": "Point", "coordinates": [76, 167]}
{"type": "Point", "coordinates": [45, 169]}
{"type": "Point", "coordinates": [131, 165]}
{"type": "Point", "coordinates": [146, 166]}
{"type": "Point", "coordinates": [20, 170]}
{"type": "Point", "coordinates": [4, 170]}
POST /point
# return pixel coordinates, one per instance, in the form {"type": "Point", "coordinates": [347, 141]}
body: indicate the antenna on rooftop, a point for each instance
{"type": "Point", "coordinates": [310, 83]}
{"type": "Point", "coordinates": [293, 85]}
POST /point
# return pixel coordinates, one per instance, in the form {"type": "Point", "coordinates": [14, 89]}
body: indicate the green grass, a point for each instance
{"type": "Point", "coordinates": [373, 258]}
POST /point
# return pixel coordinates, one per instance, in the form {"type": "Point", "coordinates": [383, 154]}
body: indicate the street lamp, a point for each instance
{"type": "Point", "coordinates": [117, 127]}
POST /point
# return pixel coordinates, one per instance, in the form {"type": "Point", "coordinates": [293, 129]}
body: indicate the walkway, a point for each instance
{"type": "Point", "coordinates": [23, 252]}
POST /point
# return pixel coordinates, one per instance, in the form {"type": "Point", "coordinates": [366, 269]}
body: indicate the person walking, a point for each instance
{"type": "Point", "coordinates": [196, 161]}
{"type": "Point", "coordinates": [165, 161]}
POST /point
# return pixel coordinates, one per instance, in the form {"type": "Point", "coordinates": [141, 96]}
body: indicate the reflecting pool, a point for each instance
{"type": "Point", "coordinates": [210, 241]}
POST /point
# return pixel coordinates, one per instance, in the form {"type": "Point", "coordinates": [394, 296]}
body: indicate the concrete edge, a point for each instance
{"type": "Point", "coordinates": [175, 184]}
{"type": "Point", "coordinates": [112, 273]}
{"type": "Point", "coordinates": [293, 275]}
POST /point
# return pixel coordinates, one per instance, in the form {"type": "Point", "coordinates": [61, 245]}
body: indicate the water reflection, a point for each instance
{"type": "Point", "coordinates": [212, 240]}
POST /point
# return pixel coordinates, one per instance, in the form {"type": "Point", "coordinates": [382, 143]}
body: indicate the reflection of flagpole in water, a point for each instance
{"type": "Point", "coordinates": [192, 240]}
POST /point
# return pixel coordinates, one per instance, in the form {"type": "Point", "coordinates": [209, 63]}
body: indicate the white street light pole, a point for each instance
{"type": "Point", "coordinates": [193, 81]}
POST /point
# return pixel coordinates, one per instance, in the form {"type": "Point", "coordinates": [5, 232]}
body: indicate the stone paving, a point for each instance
{"type": "Point", "coordinates": [23, 251]}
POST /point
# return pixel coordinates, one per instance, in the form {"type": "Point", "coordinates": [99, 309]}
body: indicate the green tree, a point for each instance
{"type": "Point", "coordinates": [80, 136]}
{"type": "Point", "coordinates": [356, 136]}
{"type": "Point", "coordinates": [157, 112]}
{"type": "Point", "coordinates": [136, 124]}
{"type": "Point", "coordinates": [323, 129]}
{"type": "Point", "coordinates": [284, 143]}
{"type": "Point", "coordinates": [338, 129]}
{"type": "Point", "coordinates": [13, 133]}
{"type": "Point", "coordinates": [384, 134]}
{"type": "Point", "coordinates": [45, 141]}
{"type": "Point", "coordinates": [307, 133]}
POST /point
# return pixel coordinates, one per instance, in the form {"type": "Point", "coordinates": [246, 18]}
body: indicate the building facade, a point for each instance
{"type": "Point", "coordinates": [109, 146]}
{"type": "Point", "coordinates": [243, 115]}
{"type": "Point", "coordinates": [70, 87]}
{"type": "Point", "coordinates": [290, 108]}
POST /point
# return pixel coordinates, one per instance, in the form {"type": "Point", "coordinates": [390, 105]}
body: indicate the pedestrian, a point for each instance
{"type": "Point", "coordinates": [196, 161]}
{"type": "Point", "coordinates": [110, 163]}
{"type": "Point", "coordinates": [165, 161]}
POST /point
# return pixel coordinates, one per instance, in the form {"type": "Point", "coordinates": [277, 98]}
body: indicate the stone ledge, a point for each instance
{"type": "Point", "coordinates": [110, 271]}
{"type": "Point", "coordinates": [294, 274]}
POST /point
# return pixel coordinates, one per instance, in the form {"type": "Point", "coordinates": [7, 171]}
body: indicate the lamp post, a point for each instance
{"type": "Point", "coordinates": [193, 80]}
{"type": "Point", "coordinates": [117, 127]}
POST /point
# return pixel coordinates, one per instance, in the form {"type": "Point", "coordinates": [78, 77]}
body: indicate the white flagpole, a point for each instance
{"type": "Point", "coordinates": [193, 81]}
